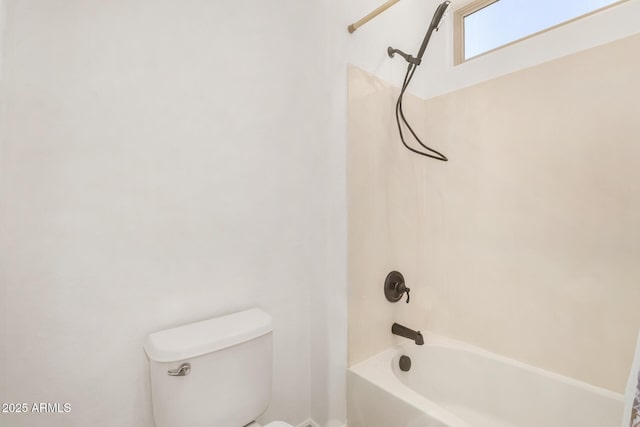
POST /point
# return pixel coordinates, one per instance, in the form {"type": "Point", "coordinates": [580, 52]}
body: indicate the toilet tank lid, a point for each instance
{"type": "Point", "coordinates": [196, 339]}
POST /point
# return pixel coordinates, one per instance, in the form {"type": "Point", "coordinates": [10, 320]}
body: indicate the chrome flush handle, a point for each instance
{"type": "Point", "coordinates": [181, 371]}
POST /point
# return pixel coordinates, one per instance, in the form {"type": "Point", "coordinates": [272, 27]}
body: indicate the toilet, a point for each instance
{"type": "Point", "coordinates": [214, 373]}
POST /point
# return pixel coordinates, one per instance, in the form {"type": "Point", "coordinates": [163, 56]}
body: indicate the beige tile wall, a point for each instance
{"type": "Point", "coordinates": [527, 242]}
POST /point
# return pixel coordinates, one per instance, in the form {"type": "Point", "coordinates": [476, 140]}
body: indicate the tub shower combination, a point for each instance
{"type": "Point", "coordinates": [452, 384]}
{"type": "Point", "coordinates": [432, 381]}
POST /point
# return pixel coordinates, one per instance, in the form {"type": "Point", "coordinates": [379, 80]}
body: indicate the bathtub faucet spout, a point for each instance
{"type": "Point", "coordinates": [403, 331]}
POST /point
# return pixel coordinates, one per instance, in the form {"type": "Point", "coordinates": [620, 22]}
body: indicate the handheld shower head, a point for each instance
{"type": "Point", "coordinates": [439, 13]}
{"type": "Point", "coordinates": [435, 24]}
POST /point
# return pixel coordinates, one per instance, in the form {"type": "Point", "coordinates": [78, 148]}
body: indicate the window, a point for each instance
{"type": "Point", "coordinates": [485, 25]}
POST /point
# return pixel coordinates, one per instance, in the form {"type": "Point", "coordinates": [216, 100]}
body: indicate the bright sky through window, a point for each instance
{"type": "Point", "coordinates": [508, 20]}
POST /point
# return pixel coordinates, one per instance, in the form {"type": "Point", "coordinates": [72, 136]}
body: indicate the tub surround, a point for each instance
{"type": "Point", "coordinates": [526, 242]}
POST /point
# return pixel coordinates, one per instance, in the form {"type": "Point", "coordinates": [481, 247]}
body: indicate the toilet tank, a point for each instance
{"type": "Point", "coordinates": [227, 382]}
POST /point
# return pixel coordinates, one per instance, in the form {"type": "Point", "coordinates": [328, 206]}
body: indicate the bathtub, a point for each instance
{"type": "Point", "coordinates": [452, 384]}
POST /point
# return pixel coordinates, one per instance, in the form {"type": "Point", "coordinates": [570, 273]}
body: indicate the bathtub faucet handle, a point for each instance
{"type": "Point", "coordinates": [395, 288]}
{"type": "Point", "coordinates": [401, 289]}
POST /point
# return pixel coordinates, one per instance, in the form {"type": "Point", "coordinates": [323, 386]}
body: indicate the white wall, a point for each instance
{"type": "Point", "coordinates": [328, 306]}
{"type": "Point", "coordinates": [165, 162]}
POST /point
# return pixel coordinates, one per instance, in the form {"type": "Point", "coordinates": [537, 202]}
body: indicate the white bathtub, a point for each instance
{"type": "Point", "coordinates": [452, 384]}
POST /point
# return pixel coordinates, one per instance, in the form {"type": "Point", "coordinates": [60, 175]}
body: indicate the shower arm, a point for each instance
{"type": "Point", "coordinates": [409, 58]}
{"type": "Point", "coordinates": [434, 26]}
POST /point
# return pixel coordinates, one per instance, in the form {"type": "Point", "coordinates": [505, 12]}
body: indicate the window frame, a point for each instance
{"type": "Point", "coordinates": [476, 5]}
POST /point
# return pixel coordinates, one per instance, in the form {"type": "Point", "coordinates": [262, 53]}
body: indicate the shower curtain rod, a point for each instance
{"type": "Point", "coordinates": [372, 15]}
